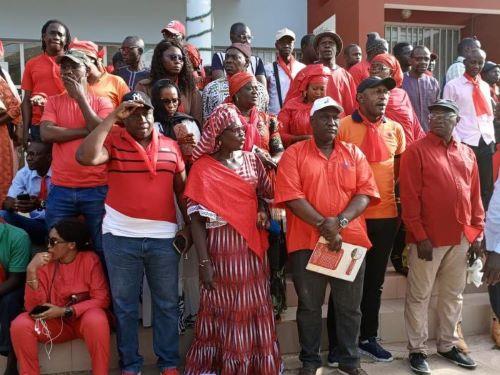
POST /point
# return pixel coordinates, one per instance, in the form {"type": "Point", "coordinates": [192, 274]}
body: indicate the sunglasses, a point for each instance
{"type": "Point", "coordinates": [169, 101]}
{"type": "Point", "coordinates": [175, 57]}
{"type": "Point", "coordinates": [55, 241]}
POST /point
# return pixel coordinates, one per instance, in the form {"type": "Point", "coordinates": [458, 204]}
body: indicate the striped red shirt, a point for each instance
{"type": "Point", "coordinates": [134, 189]}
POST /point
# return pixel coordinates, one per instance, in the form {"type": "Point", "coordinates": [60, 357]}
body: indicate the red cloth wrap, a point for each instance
{"type": "Point", "coordinates": [217, 188]}
{"type": "Point", "coordinates": [392, 63]}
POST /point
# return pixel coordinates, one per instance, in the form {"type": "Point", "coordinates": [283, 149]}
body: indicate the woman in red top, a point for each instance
{"type": "Point", "coordinates": [295, 114]}
{"type": "Point", "coordinates": [235, 329]}
{"type": "Point", "coordinates": [71, 284]}
{"type": "Point", "coordinates": [399, 107]}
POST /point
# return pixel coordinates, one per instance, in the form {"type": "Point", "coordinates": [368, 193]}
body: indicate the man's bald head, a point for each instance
{"type": "Point", "coordinates": [474, 61]}
{"type": "Point", "coordinates": [466, 44]}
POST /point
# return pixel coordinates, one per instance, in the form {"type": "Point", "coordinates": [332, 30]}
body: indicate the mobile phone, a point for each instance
{"type": "Point", "coordinates": [23, 197]}
{"type": "Point", "coordinates": [179, 244]}
{"type": "Point", "coordinates": [39, 309]}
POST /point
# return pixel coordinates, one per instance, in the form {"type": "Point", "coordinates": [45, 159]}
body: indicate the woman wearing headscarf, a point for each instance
{"type": "Point", "coordinates": [66, 298]}
{"type": "Point", "coordinates": [309, 84]}
{"type": "Point", "coordinates": [235, 329]}
{"type": "Point", "coordinates": [399, 107]}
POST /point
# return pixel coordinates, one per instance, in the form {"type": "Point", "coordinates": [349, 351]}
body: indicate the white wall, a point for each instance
{"type": "Point", "coordinates": [111, 20]}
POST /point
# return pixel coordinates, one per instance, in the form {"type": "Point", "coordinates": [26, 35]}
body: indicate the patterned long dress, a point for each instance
{"type": "Point", "coordinates": [235, 329]}
{"type": "Point", "coordinates": [12, 106]}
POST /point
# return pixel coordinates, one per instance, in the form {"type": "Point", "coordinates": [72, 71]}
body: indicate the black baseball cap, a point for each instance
{"type": "Point", "coordinates": [371, 82]}
{"type": "Point", "coordinates": [138, 96]}
{"type": "Point", "coordinates": [444, 103]}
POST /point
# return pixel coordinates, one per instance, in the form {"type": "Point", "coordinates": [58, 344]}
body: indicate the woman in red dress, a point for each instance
{"type": "Point", "coordinates": [235, 329]}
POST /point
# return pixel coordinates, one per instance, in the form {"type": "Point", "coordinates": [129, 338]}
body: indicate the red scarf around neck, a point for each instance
{"type": "Point", "coordinates": [481, 105]}
{"type": "Point", "coordinates": [252, 136]}
{"type": "Point", "coordinates": [373, 146]}
{"type": "Point", "coordinates": [56, 71]}
{"type": "Point", "coordinates": [153, 150]}
{"type": "Point", "coordinates": [217, 188]}
{"type": "Point", "coordinates": [287, 68]}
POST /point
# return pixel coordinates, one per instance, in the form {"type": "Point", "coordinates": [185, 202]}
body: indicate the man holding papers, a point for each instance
{"type": "Point", "coordinates": [326, 185]}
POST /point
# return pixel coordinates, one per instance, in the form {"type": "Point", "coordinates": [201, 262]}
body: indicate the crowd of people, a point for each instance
{"type": "Point", "coordinates": [128, 167]}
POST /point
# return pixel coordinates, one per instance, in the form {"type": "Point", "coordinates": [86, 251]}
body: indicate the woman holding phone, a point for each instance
{"type": "Point", "coordinates": [66, 298]}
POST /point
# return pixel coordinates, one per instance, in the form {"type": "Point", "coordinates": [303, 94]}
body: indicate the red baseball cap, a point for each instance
{"type": "Point", "coordinates": [86, 46]}
{"type": "Point", "coordinates": [175, 27]}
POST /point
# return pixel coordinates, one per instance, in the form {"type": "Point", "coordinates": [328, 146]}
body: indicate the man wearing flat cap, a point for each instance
{"type": "Point", "coordinates": [281, 72]}
{"type": "Point", "coordinates": [328, 45]}
{"type": "Point", "coordinates": [382, 142]}
{"type": "Point", "coordinates": [444, 218]}
{"type": "Point", "coordinates": [67, 119]}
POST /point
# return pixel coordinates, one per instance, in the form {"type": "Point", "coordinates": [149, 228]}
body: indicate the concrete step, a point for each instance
{"type": "Point", "coordinates": [394, 288]}
{"type": "Point", "coordinates": [73, 356]}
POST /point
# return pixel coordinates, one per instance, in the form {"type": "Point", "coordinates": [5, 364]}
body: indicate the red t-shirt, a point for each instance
{"type": "Point", "coordinates": [135, 191]}
{"type": "Point", "coordinates": [42, 75]}
{"type": "Point", "coordinates": [64, 111]}
{"type": "Point", "coordinates": [360, 71]}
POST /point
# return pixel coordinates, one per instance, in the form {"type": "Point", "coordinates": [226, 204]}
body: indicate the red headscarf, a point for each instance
{"type": "Point", "coordinates": [252, 136]}
{"type": "Point", "coordinates": [392, 63]}
{"type": "Point", "coordinates": [86, 46]}
{"type": "Point", "coordinates": [315, 73]}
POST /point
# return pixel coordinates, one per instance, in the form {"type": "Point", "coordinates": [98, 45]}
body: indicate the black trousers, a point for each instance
{"type": "Point", "coordinates": [345, 296]}
{"type": "Point", "coordinates": [484, 156]}
{"type": "Point", "coordinates": [494, 291]}
{"type": "Point", "coordinates": [11, 305]}
{"type": "Point", "coordinates": [381, 233]}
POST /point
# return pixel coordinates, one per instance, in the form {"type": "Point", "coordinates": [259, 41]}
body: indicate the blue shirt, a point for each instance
{"type": "Point", "coordinates": [131, 77]}
{"type": "Point", "coordinates": [28, 181]}
{"type": "Point", "coordinates": [492, 228]}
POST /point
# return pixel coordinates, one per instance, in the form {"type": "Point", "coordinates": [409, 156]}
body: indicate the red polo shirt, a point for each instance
{"type": "Point", "coordinates": [64, 111]}
{"type": "Point", "coordinates": [42, 75]}
{"type": "Point", "coordinates": [328, 185]}
{"type": "Point", "coordinates": [440, 194]}
{"type": "Point", "coordinates": [133, 189]}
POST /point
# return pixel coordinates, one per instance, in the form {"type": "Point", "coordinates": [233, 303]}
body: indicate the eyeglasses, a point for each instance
{"type": "Point", "coordinates": [378, 68]}
{"type": "Point", "coordinates": [55, 241]}
{"type": "Point", "coordinates": [127, 49]}
{"type": "Point", "coordinates": [442, 117]}
{"type": "Point", "coordinates": [175, 57]}
{"type": "Point", "coordinates": [245, 36]}
{"type": "Point", "coordinates": [170, 101]}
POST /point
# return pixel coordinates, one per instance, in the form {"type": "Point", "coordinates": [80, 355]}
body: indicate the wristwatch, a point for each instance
{"type": "Point", "coordinates": [343, 221]}
{"type": "Point", "coordinates": [355, 255]}
{"type": "Point", "coordinates": [68, 312]}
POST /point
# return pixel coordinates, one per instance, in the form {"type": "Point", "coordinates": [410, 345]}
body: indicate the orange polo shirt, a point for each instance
{"type": "Point", "coordinates": [110, 86]}
{"type": "Point", "coordinates": [328, 185]}
{"type": "Point", "coordinates": [353, 131]}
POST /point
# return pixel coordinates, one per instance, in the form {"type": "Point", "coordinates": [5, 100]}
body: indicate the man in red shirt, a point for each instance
{"type": "Point", "coordinates": [375, 45]}
{"type": "Point", "coordinates": [41, 77]}
{"type": "Point", "coordinates": [328, 45]}
{"type": "Point", "coordinates": [66, 120]}
{"type": "Point", "coordinates": [140, 225]}
{"type": "Point", "coordinates": [444, 217]}
{"type": "Point", "coordinates": [326, 185]}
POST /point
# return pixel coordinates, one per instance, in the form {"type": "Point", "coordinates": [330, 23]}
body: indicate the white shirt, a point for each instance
{"type": "Point", "coordinates": [492, 228]}
{"type": "Point", "coordinates": [274, 103]}
{"type": "Point", "coordinates": [118, 224]}
{"type": "Point", "coordinates": [471, 127]}
{"type": "Point", "coordinates": [28, 181]}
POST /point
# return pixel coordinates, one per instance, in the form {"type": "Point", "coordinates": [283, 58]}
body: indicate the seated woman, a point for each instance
{"type": "Point", "coordinates": [399, 107]}
{"type": "Point", "coordinates": [170, 61]}
{"type": "Point", "coordinates": [179, 126]}
{"type": "Point", "coordinates": [235, 330]}
{"type": "Point", "coordinates": [295, 114]}
{"type": "Point", "coordinates": [70, 283]}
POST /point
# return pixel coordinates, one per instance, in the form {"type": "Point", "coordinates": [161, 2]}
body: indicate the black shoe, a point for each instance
{"type": "Point", "coordinates": [459, 358]}
{"type": "Point", "coordinates": [352, 371]}
{"type": "Point", "coordinates": [418, 363]}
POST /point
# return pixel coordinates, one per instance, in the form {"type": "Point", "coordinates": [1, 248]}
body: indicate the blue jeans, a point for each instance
{"type": "Point", "coordinates": [63, 202]}
{"type": "Point", "coordinates": [127, 259]}
{"type": "Point", "coordinates": [36, 228]}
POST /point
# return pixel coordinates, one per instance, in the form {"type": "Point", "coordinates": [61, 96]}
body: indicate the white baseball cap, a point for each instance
{"type": "Point", "coordinates": [325, 102]}
{"type": "Point", "coordinates": [285, 32]}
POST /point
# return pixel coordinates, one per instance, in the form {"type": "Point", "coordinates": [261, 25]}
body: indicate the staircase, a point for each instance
{"type": "Point", "coordinates": [73, 356]}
